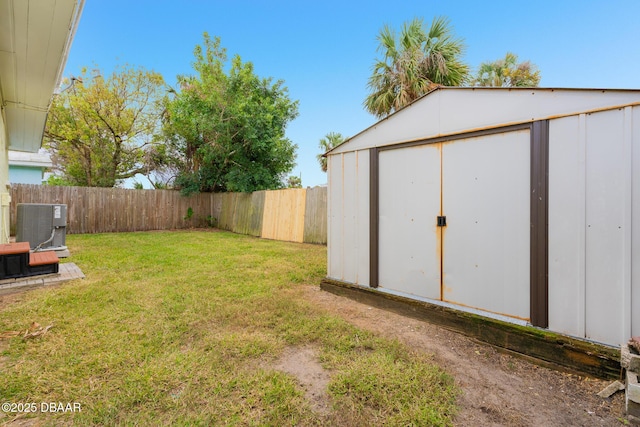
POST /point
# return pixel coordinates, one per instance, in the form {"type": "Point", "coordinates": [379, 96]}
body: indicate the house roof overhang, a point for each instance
{"type": "Point", "coordinates": [35, 38]}
{"type": "Point", "coordinates": [41, 159]}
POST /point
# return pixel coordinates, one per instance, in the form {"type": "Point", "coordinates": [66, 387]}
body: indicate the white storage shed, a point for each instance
{"type": "Point", "coordinates": [520, 204]}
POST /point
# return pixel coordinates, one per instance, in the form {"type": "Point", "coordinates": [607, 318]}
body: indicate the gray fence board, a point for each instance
{"type": "Point", "coordinates": [315, 217]}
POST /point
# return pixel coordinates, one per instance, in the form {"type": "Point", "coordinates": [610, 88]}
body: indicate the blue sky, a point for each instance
{"type": "Point", "coordinates": [324, 50]}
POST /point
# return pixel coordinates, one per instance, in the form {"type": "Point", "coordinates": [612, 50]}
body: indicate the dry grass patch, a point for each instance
{"type": "Point", "coordinates": [191, 328]}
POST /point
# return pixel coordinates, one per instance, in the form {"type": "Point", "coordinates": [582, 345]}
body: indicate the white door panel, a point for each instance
{"type": "Point", "coordinates": [486, 182]}
{"type": "Point", "coordinates": [409, 202]}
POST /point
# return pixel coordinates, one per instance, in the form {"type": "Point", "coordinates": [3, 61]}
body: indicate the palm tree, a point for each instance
{"type": "Point", "coordinates": [414, 63]}
{"type": "Point", "coordinates": [329, 142]}
{"type": "Point", "coordinates": [507, 72]}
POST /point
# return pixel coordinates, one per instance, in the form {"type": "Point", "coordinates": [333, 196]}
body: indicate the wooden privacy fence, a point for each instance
{"type": "Point", "coordinates": [297, 215]}
{"type": "Point", "coordinates": [294, 215]}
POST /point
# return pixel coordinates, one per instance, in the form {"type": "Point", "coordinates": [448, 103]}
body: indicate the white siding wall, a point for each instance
{"type": "Point", "coordinates": [348, 210]}
{"type": "Point", "coordinates": [5, 196]}
{"type": "Point", "coordinates": [592, 208]}
{"type": "Point", "coordinates": [567, 195]}
{"type": "Point", "coordinates": [349, 217]}
{"type": "Point", "coordinates": [334, 220]}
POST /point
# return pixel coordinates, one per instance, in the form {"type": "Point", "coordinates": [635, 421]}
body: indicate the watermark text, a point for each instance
{"type": "Point", "coordinates": [40, 407]}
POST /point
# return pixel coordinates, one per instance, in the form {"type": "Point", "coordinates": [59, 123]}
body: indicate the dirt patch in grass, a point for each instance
{"type": "Point", "coordinates": [303, 364]}
{"type": "Point", "coordinates": [498, 389]}
{"type": "Point", "coordinates": [179, 334]}
{"type": "Point", "coordinates": [8, 299]}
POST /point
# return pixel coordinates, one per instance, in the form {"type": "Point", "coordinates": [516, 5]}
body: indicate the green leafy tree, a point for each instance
{"type": "Point", "coordinates": [329, 142]}
{"type": "Point", "coordinates": [56, 180]}
{"type": "Point", "coordinates": [507, 72]}
{"type": "Point", "coordinates": [413, 63]}
{"type": "Point", "coordinates": [101, 131]}
{"type": "Point", "coordinates": [294, 182]}
{"type": "Point", "coordinates": [226, 130]}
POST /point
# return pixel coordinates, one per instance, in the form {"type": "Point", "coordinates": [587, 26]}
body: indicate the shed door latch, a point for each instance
{"type": "Point", "coordinates": [442, 221]}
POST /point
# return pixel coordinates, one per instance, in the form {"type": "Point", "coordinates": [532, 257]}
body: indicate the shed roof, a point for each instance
{"type": "Point", "coordinates": [454, 110]}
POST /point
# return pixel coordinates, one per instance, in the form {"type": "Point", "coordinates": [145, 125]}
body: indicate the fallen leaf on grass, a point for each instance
{"type": "Point", "coordinates": [9, 334]}
{"type": "Point", "coordinates": [36, 330]}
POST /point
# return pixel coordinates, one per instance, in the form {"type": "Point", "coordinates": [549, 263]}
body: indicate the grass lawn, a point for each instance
{"type": "Point", "coordinates": [184, 328]}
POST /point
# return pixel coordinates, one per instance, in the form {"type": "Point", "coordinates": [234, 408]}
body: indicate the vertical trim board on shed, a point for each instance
{"type": "Point", "coordinates": [374, 217]}
{"type": "Point", "coordinates": [539, 233]}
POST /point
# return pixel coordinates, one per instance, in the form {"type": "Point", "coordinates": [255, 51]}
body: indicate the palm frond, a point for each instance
{"type": "Point", "coordinates": [413, 63]}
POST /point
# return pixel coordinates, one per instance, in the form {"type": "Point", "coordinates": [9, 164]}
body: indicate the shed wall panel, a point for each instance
{"type": "Point", "coordinates": [485, 198]}
{"type": "Point", "coordinates": [335, 225]}
{"type": "Point", "coordinates": [635, 225]}
{"type": "Point", "coordinates": [567, 151]}
{"type": "Point", "coordinates": [593, 225]}
{"type": "Point", "coordinates": [627, 221]}
{"type": "Point", "coordinates": [349, 217]}
{"type": "Point", "coordinates": [348, 211]}
{"type": "Point", "coordinates": [605, 227]}
{"type": "Point", "coordinates": [409, 247]}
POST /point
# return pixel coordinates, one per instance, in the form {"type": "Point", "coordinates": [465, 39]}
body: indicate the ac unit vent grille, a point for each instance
{"type": "Point", "coordinates": [36, 223]}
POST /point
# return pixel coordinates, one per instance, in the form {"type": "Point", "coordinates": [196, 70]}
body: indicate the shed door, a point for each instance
{"type": "Point", "coordinates": [485, 197]}
{"type": "Point", "coordinates": [409, 201]}
{"type": "Point", "coordinates": [480, 258]}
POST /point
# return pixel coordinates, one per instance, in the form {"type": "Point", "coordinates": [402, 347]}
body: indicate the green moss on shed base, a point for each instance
{"type": "Point", "coordinates": [539, 345]}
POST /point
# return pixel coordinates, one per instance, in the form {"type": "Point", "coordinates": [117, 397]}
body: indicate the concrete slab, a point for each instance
{"type": "Point", "coordinates": [63, 253]}
{"type": "Point", "coordinates": [67, 271]}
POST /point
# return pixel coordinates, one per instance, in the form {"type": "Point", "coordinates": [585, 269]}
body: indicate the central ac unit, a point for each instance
{"type": "Point", "coordinates": [44, 226]}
